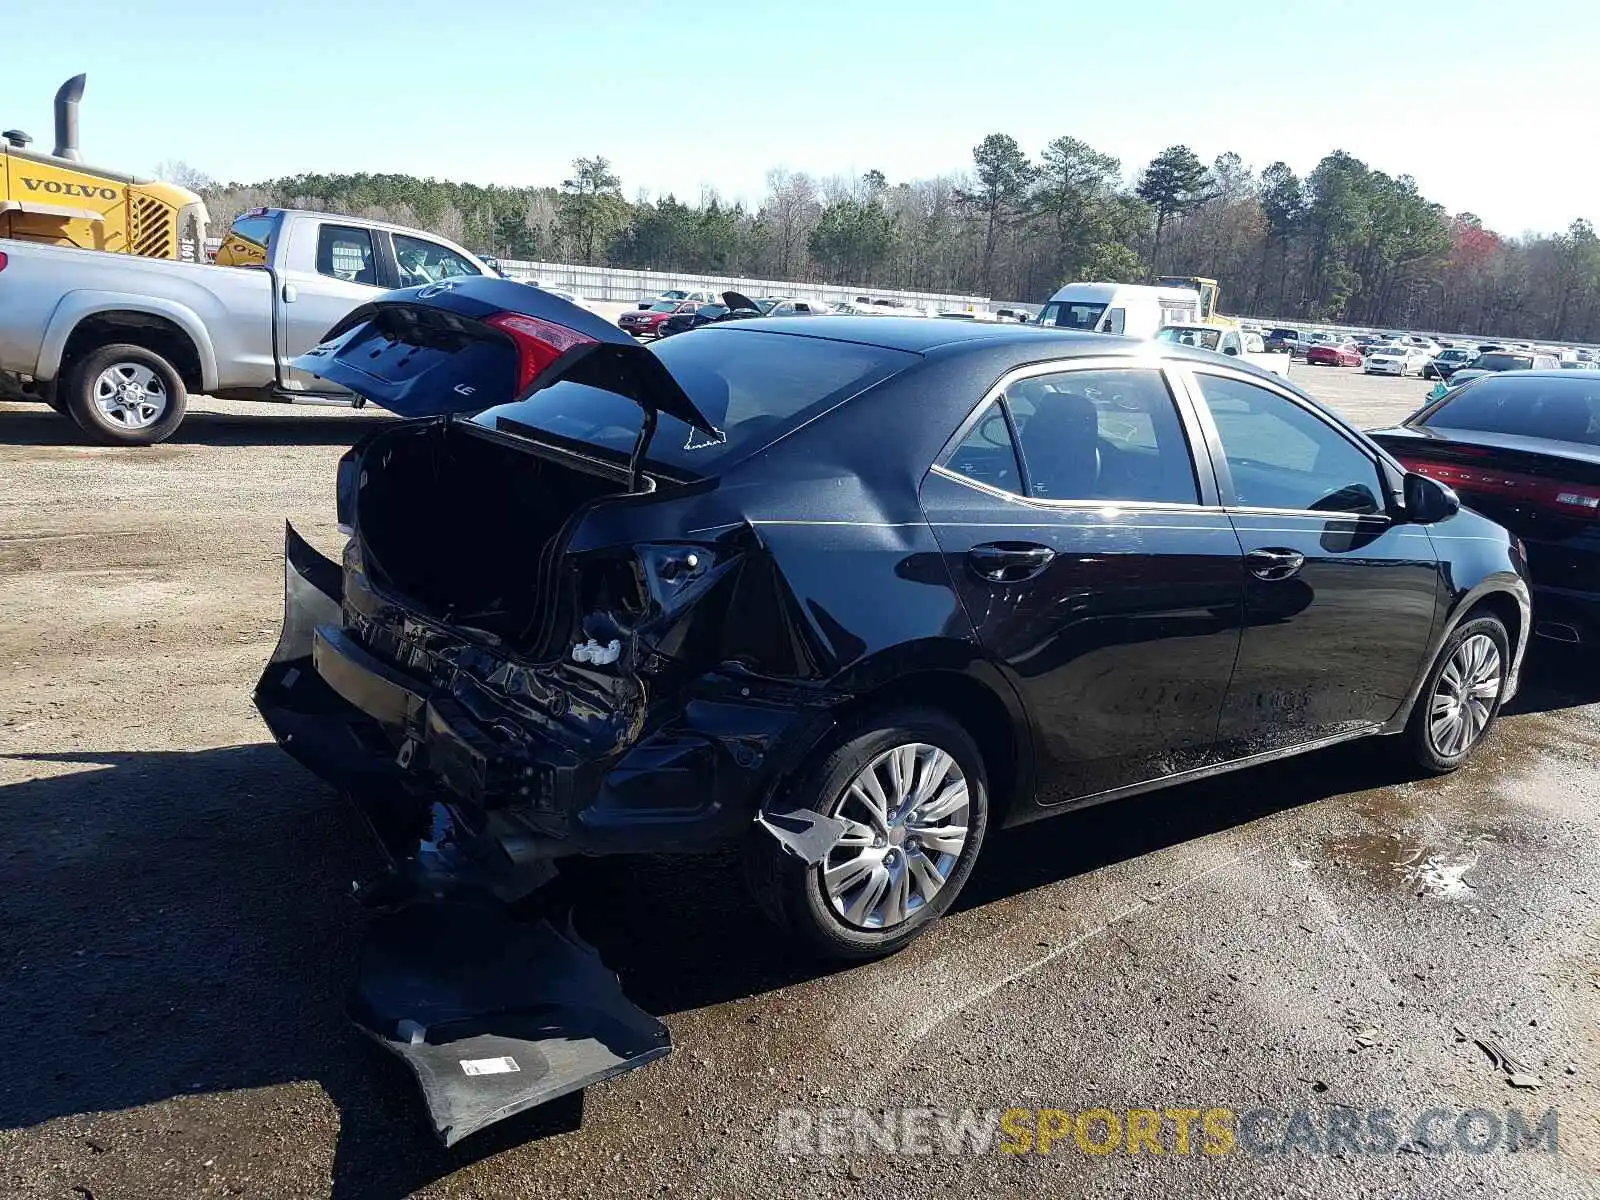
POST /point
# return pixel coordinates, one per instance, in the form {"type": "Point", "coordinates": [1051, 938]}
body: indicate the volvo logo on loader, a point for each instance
{"type": "Point", "coordinates": [56, 188]}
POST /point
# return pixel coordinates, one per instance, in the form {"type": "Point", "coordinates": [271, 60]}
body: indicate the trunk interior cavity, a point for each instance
{"type": "Point", "coordinates": [464, 524]}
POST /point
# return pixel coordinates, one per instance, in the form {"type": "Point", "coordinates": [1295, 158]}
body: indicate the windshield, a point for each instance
{"type": "Point", "coordinates": [1455, 355]}
{"type": "Point", "coordinates": [664, 306]}
{"type": "Point", "coordinates": [1067, 315]}
{"type": "Point", "coordinates": [1503, 362]}
{"type": "Point", "coordinates": [752, 386]}
{"type": "Point", "coordinates": [1565, 409]}
{"type": "Point", "coordinates": [1185, 335]}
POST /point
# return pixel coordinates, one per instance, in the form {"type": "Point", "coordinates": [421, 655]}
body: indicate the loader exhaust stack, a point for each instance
{"type": "Point", "coordinates": [67, 97]}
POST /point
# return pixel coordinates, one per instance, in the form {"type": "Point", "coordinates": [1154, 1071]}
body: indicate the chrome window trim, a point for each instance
{"type": "Point", "coordinates": [1171, 506]}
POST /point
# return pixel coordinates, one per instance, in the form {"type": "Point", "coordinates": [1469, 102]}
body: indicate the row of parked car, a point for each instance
{"type": "Point", "coordinates": [676, 311]}
{"type": "Point", "coordinates": [1408, 353]}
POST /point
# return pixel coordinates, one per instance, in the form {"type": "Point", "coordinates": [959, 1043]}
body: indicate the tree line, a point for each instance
{"type": "Point", "coordinates": [1345, 243]}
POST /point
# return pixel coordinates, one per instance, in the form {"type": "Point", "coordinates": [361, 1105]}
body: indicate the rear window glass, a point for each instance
{"type": "Point", "coordinates": [1565, 410]}
{"type": "Point", "coordinates": [256, 230]}
{"type": "Point", "coordinates": [751, 385]}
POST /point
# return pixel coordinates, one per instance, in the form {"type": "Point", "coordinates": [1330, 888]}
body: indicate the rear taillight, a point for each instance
{"type": "Point", "coordinates": [1575, 500]}
{"type": "Point", "coordinates": [4, 259]}
{"type": "Point", "coordinates": [539, 343]}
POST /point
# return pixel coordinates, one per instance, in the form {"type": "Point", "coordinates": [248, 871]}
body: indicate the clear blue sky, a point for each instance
{"type": "Point", "coordinates": [1493, 107]}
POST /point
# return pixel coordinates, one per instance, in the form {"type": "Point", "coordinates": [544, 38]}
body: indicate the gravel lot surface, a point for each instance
{"type": "Point", "coordinates": [176, 938]}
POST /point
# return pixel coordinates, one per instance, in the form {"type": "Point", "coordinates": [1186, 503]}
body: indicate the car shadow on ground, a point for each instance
{"type": "Point", "coordinates": [176, 923]}
{"type": "Point", "coordinates": [1556, 675]}
{"type": "Point", "coordinates": [36, 425]}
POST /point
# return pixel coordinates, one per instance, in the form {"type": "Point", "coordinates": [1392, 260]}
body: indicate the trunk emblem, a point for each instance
{"type": "Point", "coordinates": [436, 289]}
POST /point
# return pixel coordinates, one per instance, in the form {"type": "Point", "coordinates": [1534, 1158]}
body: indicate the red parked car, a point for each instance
{"type": "Point", "coordinates": [1344, 354]}
{"type": "Point", "coordinates": [646, 322]}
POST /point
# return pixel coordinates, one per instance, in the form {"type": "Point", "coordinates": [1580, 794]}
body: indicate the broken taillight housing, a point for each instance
{"type": "Point", "coordinates": [539, 343]}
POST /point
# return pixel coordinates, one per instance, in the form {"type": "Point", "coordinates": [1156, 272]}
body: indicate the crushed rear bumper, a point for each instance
{"type": "Point", "coordinates": [493, 1013]}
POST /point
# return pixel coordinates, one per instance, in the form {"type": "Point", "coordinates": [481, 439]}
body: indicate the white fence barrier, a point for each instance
{"type": "Point", "coordinates": [619, 284]}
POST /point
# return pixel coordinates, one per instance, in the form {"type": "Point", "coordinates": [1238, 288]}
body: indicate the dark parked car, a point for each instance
{"type": "Point", "coordinates": [1524, 449]}
{"type": "Point", "coordinates": [1447, 362]}
{"type": "Point", "coordinates": [846, 593]}
{"type": "Point", "coordinates": [1490, 362]}
{"type": "Point", "coordinates": [1282, 341]}
{"type": "Point", "coordinates": [634, 600]}
{"type": "Point", "coordinates": [733, 307]}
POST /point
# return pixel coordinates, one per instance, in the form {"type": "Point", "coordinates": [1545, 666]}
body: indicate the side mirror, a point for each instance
{"type": "Point", "coordinates": [1429, 501]}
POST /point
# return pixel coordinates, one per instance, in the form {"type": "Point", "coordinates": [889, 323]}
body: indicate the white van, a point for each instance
{"type": "Point", "coordinates": [1126, 308]}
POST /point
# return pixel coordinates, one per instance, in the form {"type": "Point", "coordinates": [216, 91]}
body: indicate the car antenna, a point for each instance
{"type": "Point", "coordinates": [641, 446]}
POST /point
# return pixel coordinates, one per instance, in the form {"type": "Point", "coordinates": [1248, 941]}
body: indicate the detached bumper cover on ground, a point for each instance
{"type": "Point", "coordinates": [493, 1014]}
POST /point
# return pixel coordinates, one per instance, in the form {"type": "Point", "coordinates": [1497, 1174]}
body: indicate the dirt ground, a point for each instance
{"type": "Point", "coordinates": [176, 935]}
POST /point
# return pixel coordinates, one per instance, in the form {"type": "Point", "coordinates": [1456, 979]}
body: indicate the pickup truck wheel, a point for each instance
{"type": "Point", "coordinates": [125, 395]}
{"type": "Point", "coordinates": [910, 788]}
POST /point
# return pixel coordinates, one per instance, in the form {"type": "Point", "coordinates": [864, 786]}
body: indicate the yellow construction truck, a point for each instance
{"type": "Point", "coordinates": [1210, 294]}
{"type": "Point", "coordinates": [60, 200]}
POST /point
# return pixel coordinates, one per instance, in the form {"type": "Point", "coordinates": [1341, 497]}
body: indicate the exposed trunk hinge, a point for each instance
{"type": "Point", "coordinates": [641, 447]}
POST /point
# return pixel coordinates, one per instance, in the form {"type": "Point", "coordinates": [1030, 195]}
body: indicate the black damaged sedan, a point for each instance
{"type": "Point", "coordinates": [850, 593]}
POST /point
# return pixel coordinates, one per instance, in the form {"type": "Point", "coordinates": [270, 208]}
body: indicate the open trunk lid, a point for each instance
{"type": "Point", "coordinates": [461, 346]}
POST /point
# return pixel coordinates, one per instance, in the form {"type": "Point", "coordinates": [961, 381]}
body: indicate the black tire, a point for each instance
{"type": "Point", "coordinates": [791, 892]}
{"type": "Point", "coordinates": [1419, 739]}
{"type": "Point", "coordinates": [83, 379]}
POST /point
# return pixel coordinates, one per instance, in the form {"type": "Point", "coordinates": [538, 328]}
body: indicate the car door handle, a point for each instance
{"type": "Point", "coordinates": [1009, 562]}
{"type": "Point", "coordinates": [1274, 564]}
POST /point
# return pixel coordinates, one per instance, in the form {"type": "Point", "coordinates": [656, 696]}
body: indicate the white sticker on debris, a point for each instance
{"type": "Point", "coordinates": [489, 1066]}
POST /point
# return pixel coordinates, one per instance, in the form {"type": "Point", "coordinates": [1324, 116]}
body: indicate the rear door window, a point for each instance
{"type": "Point", "coordinates": [345, 252]}
{"type": "Point", "coordinates": [987, 454]}
{"type": "Point", "coordinates": [1111, 434]}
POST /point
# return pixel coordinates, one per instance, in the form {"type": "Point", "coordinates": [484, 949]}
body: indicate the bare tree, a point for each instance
{"type": "Point", "coordinates": [175, 170]}
{"type": "Point", "coordinates": [791, 211]}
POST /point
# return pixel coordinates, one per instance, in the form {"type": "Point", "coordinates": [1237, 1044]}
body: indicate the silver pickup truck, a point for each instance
{"type": "Point", "coordinates": [119, 342]}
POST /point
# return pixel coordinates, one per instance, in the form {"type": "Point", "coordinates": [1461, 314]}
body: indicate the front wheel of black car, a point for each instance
{"type": "Point", "coordinates": [1459, 703]}
{"type": "Point", "coordinates": [911, 790]}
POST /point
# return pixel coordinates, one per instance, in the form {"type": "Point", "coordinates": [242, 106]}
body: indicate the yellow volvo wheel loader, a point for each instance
{"type": "Point", "coordinates": [60, 200]}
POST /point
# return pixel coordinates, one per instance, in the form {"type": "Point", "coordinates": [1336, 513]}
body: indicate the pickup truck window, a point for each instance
{"type": "Point", "coordinates": [256, 230]}
{"type": "Point", "coordinates": [422, 261]}
{"type": "Point", "coordinates": [345, 252]}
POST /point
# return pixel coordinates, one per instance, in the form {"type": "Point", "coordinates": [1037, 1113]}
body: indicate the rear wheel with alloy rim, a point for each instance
{"type": "Point", "coordinates": [125, 395]}
{"type": "Point", "coordinates": [905, 817]}
{"type": "Point", "coordinates": [1461, 699]}
{"type": "Point", "coordinates": [910, 789]}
